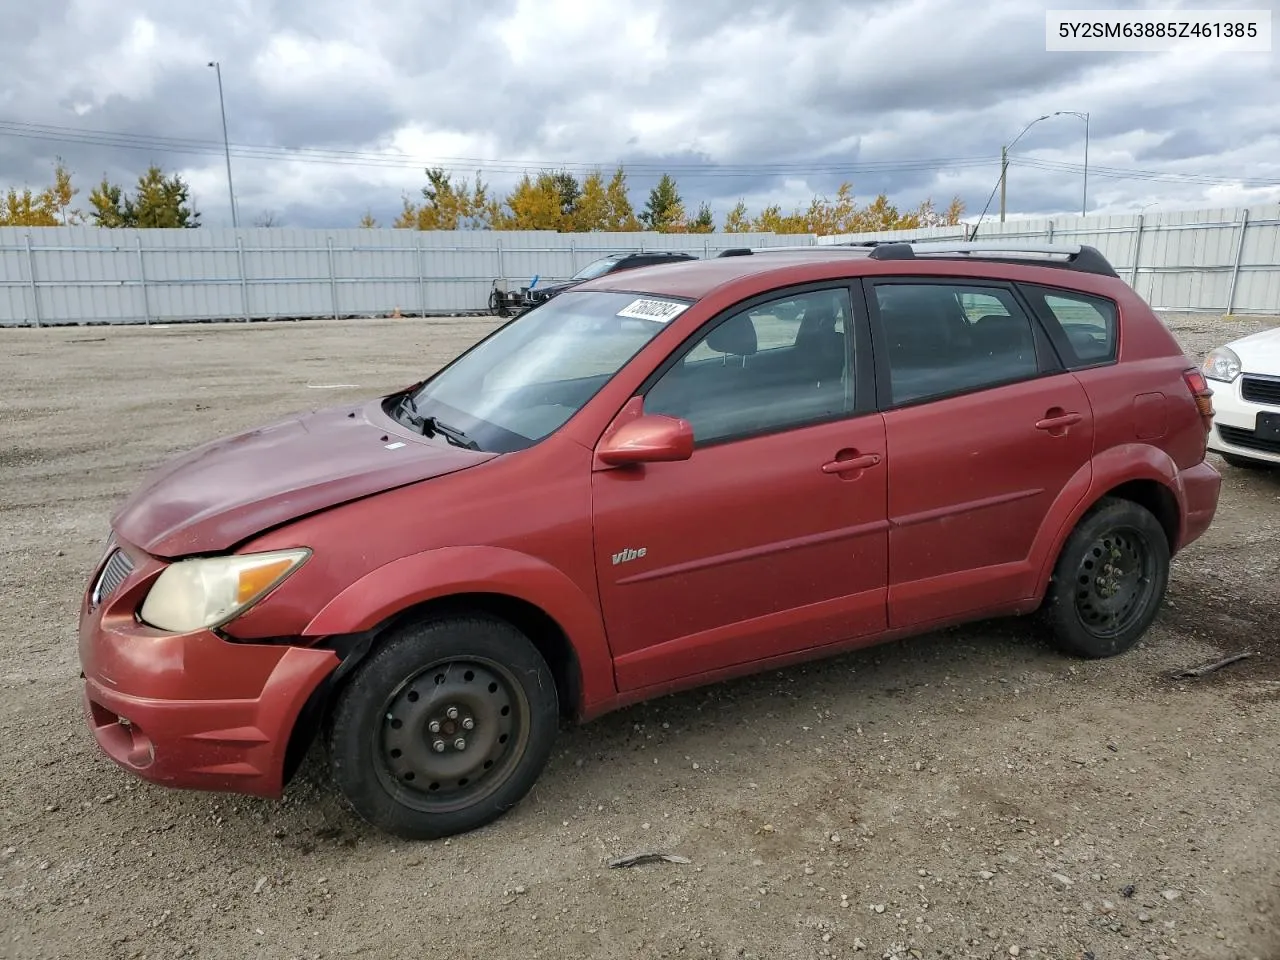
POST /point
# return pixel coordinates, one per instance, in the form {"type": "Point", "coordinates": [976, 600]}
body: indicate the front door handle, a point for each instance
{"type": "Point", "coordinates": [851, 463]}
{"type": "Point", "coordinates": [1059, 422]}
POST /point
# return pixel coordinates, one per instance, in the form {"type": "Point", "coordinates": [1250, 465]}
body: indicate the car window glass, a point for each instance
{"type": "Point", "coordinates": [778, 364]}
{"type": "Point", "coordinates": [944, 339]}
{"type": "Point", "coordinates": [1088, 322]}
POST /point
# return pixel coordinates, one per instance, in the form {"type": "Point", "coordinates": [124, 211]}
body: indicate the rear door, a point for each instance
{"type": "Point", "coordinates": [984, 429]}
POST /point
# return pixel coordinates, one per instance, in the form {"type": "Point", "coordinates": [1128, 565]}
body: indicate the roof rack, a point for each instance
{"type": "Point", "coordinates": [1075, 256]}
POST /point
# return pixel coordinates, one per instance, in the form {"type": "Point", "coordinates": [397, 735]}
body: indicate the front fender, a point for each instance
{"type": "Point", "coordinates": [1108, 470]}
{"type": "Point", "coordinates": [449, 571]}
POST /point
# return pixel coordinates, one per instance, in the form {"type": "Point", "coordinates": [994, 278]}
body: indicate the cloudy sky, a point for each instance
{"type": "Point", "coordinates": [335, 107]}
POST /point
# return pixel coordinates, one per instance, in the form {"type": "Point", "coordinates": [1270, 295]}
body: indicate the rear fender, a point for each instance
{"type": "Point", "coordinates": [449, 571]}
{"type": "Point", "coordinates": [1108, 470]}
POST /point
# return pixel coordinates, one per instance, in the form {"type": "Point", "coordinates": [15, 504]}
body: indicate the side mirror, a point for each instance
{"type": "Point", "coordinates": [651, 438]}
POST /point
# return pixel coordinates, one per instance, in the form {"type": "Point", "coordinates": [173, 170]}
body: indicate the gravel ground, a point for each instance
{"type": "Point", "coordinates": [965, 794]}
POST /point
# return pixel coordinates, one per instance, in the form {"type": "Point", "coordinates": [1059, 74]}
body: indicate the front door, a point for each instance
{"type": "Point", "coordinates": [772, 538]}
{"type": "Point", "coordinates": [984, 431]}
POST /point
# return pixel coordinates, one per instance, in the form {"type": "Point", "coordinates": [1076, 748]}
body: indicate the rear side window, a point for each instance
{"type": "Point", "coordinates": [1088, 324]}
{"type": "Point", "coordinates": [943, 340]}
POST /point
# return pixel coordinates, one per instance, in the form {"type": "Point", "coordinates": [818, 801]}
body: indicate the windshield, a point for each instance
{"type": "Point", "coordinates": [525, 380]}
{"type": "Point", "coordinates": [596, 268]}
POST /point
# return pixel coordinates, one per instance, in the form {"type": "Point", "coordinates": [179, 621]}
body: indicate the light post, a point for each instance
{"type": "Point", "coordinates": [1004, 160]}
{"type": "Point", "coordinates": [226, 144]}
{"type": "Point", "coordinates": [1084, 197]}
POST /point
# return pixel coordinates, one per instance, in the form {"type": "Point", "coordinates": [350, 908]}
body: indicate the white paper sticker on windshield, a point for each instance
{"type": "Point", "coordinates": [660, 310]}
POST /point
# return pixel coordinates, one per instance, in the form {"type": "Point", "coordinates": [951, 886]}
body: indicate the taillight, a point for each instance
{"type": "Point", "coordinates": [1200, 390]}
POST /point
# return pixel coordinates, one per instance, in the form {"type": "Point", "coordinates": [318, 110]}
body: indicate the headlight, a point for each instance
{"type": "Point", "coordinates": [1221, 364]}
{"type": "Point", "coordinates": [208, 592]}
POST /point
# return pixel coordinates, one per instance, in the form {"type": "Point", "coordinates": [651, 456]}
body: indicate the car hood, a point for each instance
{"type": "Point", "coordinates": [1259, 352]}
{"type": "Point", "coordinates": [226, 491]}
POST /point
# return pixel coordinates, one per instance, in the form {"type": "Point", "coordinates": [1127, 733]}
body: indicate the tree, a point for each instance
{"type": "Point", "coordinates": [25, 210]}
{"type": "Point", "coordinates": [51, 207]}
{"type": "Point", "coordinates": [592, 210]}
{"type": "Point", "coordinates": [448, 205]}
{"type": "Point", "coordinates": [267, 218]}
{"type": "Point", "coordinates": [620, 216]}
{"type": "Point", "coordinates": [536, 203]}
{"type": "Point", "coordinates": [569, 191]}
{"type": "Point", "coordinates": [158, 202]}
{"type": "Point", "coordinates": [664, 210]}
{"type": "Point", "coordinates": [738, 221]}
{"type": "Point", "coordinates": [704, 222]}
{"type": "Point", "coordinates": [367, 222]}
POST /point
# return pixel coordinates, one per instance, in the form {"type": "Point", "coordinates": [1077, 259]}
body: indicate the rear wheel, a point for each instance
{"type": "Point", "coordinates": [445, 728]}
{"type": "Point", "coordinates": [1109, 581]}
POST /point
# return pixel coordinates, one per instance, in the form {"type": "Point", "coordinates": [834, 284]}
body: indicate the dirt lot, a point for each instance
{"type": "Point", "coordinates": [970, 794]}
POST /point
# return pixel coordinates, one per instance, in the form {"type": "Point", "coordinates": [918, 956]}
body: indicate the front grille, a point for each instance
{"type": "Point", "coordinates": [1260, 389]}
{"type": "Point", "coordinates": [115, 572]}
{"type": "Point", "coordinates": [1248, 439]}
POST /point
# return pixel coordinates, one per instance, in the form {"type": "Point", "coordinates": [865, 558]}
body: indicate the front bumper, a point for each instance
{"type": "Point", "coordinates": [1234, 421]}
{"type": "Point", "coordinates": [191, 710]}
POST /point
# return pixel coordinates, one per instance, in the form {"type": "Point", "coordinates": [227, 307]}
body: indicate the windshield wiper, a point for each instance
{"type": "Point", "coordinates": [433, 425]}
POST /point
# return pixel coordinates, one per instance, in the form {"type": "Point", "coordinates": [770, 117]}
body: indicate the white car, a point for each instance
{"type": "Point", "coordinates": [1245, 377]}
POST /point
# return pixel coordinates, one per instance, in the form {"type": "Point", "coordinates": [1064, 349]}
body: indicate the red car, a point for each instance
{"type": "Point", "coordinates": [659, 479]}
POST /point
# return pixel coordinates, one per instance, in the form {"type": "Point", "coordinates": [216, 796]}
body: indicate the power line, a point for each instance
{"type": "Point", "coordinates": [34, 131]}
{"type": "Point", "coordinates": [689, 170]}
{"type": "Point", "coordinates": [1119, 173]}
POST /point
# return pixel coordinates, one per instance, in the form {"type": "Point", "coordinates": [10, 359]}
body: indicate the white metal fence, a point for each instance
{"type": "Point", "coordinates": [68, 275]}
{"type": "Point", "coordinates": [1218, 261]}
{"type": "Point", "coordinates": [1202, 261]}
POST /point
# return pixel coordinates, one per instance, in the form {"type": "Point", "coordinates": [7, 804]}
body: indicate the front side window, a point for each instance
{"type": "Point", "coordinates": [945, 339]}
{"type": "Point", "coordinates": [777, 365]}
{"type": "Point", "coordinates": [523, 382]}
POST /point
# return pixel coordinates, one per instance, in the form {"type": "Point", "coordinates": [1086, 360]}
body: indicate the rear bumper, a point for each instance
{"type": "Point", "coordinates": [1201, 485]}
{"type": "Point", "coordinates": [192, 710]}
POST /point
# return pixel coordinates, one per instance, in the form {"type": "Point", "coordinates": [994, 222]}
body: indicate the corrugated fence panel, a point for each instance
{"type": "Point", "coordinates": [1186, 260]}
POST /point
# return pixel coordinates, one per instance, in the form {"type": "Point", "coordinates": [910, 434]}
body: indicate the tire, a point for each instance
{"type": "Point", "coordinates": [1244, 463]}
{"type": "Point", "coordinates": [384, 757]}
{"type": "Point", "coordinates": [1084, 620]}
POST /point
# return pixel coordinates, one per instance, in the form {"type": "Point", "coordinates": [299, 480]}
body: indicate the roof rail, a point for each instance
{"type": "Point", "coordinates": [1074, 256]}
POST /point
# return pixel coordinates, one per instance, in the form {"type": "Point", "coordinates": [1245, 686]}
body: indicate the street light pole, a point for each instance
{"type": "Point", "coordinates": [226, 144]}
{"type": "Point", "coordinates": [1084, 198]}
{"type": "Point", "coordinates": [1004, 160]}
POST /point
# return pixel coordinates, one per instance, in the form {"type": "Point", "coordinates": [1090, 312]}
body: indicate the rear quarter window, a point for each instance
{"type": "Point", "coordinates": [1084, 327]}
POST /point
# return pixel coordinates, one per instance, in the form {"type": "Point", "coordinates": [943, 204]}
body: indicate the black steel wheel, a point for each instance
{"type": "Point", "coordinates": [450, 734]}
{"type": "Point", "coordinates": [1109, 581]}
{"type": "Point", "coordinates": [445, 728]}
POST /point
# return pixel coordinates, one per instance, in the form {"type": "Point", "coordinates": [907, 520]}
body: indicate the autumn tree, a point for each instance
{"type": "Point", "coordinates": [448, 205]}
{"type": "Point", "coordinates": [159, 201]}
{"type": "Point", "coordinates": [367, 222]}
{"type": "Point", "coordinates": [536, 203]}
{"type": "Point", "coordinates": [592, 210]}
{"type": "Point", "coordinates": [704, 221]}
{"type": "Point", "coordinates": [738, 221]}
{"type": "Point", "coordinates": [664, 210]}
{"type": "Point", "coordinates": [51, 207]}
{"type": "Point", "coordinates": [620, 215]}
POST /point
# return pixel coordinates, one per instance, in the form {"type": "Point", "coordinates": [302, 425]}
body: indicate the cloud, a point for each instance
{"type": "Point", "coordinates": [765, 100]}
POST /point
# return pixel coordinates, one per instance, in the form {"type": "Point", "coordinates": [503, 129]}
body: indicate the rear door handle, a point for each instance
{"type": "Point", "coordinates": [1057, 423]}
{"type": "Point", "coordinates": [852, 463]}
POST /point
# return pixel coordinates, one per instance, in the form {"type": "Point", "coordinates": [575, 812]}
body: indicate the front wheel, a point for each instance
{"type": "Point", "coordinates": [445, 728]}
{"type": "Point", "coordinates": [1109, 580]}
